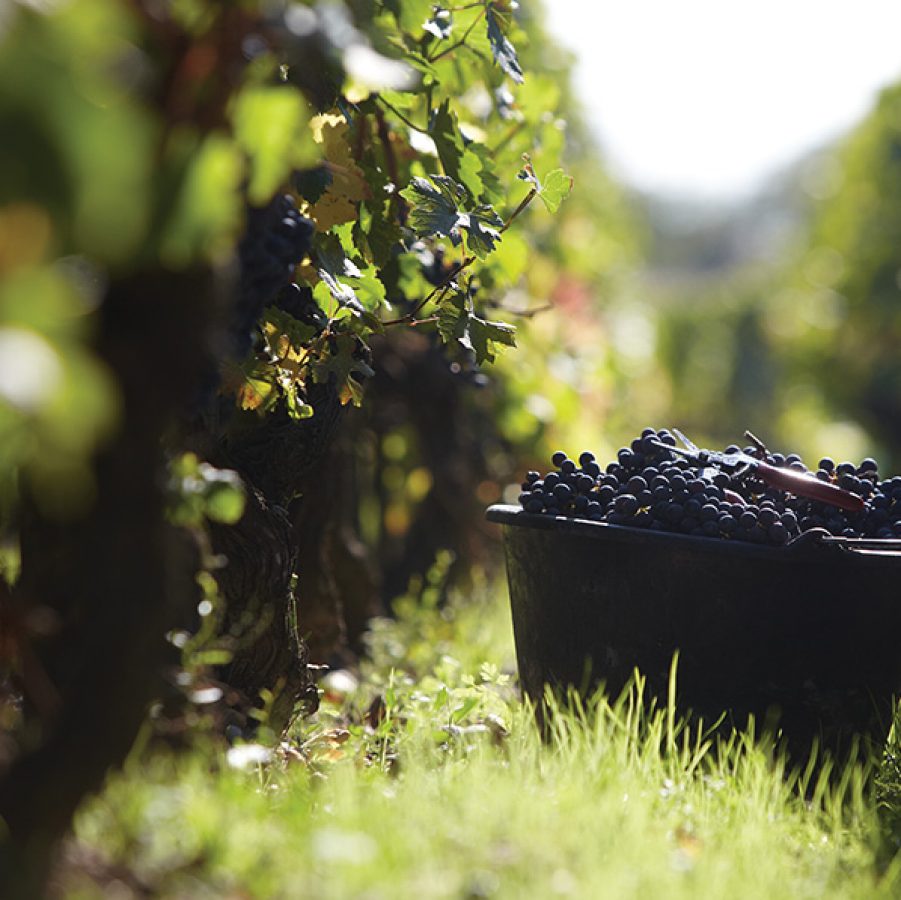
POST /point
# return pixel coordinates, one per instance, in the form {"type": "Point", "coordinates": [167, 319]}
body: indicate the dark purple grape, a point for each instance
{"type": "Point", "coordinates": [748, 519]}
{"type": "Point", "coordinates": [625, 457]}
{"type": "Point", "coordinates": [767, 517]}
{"type": "Point", "coordinates": [673, 512]}
{"type": "Point", "coordinates": [276, 238]}
{"type": "Point", "coordinates": [636, 484]}
{"type": "Point", "coordinates": [727, 524]}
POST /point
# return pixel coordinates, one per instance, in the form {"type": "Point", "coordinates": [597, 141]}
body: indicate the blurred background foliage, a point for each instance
{"type": "Point", "coordinates": [783, 316]}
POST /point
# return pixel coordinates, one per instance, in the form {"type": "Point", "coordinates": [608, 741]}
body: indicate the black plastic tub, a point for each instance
{"type": "Point", "coordinates": [806, 638]}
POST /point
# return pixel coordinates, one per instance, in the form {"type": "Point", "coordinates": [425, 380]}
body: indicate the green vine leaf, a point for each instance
{"type": "Point", "coordinates": [436, 210]}
{"type": "Point", "coordinates": [459, 162]}
{"type": "Point", "coordinates": [359, 289]}
{"type": "Point", "coordinates": [457, 321]}
{"type": "Point", "coordinates": [553, 190]}
{"type": "Point", "coordinates": [298, 333]}
{"type": "Point", "coordinates": [483, 229]}
{"type": "Point", "coordinates": [504, 52]}
{"type": "Point", "coordinates": [343, 364]}
{"type": "Point", "coordinates": [297, 409]}
{"type": "Point", "coordinates": [434, 206]}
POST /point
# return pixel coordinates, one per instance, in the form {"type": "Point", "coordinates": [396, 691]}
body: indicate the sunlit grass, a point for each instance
{"type": "Point", "coordinates": [444, 788]}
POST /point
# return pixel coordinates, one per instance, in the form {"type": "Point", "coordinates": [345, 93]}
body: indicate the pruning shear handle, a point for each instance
{"type": "Point", "coordinates": [804, 485]}
{"type": "Point", "coordinates": [801, 484]}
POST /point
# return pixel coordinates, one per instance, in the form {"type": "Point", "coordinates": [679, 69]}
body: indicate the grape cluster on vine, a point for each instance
{"type": "Point", "coordinates": [276, 239]}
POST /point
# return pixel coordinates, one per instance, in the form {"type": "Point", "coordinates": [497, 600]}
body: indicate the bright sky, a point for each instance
{"type": "Point", "coordinates": [707, 97]}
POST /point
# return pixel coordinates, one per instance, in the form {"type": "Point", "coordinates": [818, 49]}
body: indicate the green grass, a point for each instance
{"type": "Point", "coordinates": [451, 793]}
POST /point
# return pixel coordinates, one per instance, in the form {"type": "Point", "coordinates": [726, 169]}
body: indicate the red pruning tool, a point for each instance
{"type": "Point", "coordinates": [801, 484]}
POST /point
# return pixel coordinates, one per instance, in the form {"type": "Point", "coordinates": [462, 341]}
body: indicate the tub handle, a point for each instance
{"type": "Point", "coordinates": [863, 545]}
{"type": "Point", "coordinates": [868, 546]}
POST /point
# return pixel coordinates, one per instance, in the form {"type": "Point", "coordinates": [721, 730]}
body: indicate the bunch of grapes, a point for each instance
{"type": "Point", "coordinates": [298, 301]}
{"type": "Point", "coordinates": [650, 487]}
{"type": "Point", "coordinates": [276, 239]}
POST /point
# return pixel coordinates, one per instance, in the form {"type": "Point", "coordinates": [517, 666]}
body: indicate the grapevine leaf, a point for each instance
{"type": "Point", "coordinates": [452, 319]}
{"type": "Point", "coordinates": [342, 293]}
{"type": "Point", "coordinates": [504, 52]}
{"type": "Point", "coordinates": [440, 25]}
{"type": "Point", "coordinates": [485, 335]}
{"type": "Point", "coordinates": [312, 183]}
{"type": "Point", "coordinates": [297, 409]}
{"type": "Point", "coordinates": [297, 332]}
{"type": "Point", "coordinates": [482, 227]}
{"type": "Point", "coordinates": [343, 365]}
{"type": "Point", "coordinates": [341, 198]}
{"type": "Point", "coordinates": [555, 189]}
{"type": "Point", "coordinates": [369, 289]}
{"type": "Point", "coordinates": [257, 394]}
{"type": "Point", "coordinates": [358, 289]}
{"type": "Point", "coordinates": [445, 133]}
{"type": "Point", "coordinates": [471, 168]}
{"type": "Point", "coordinates": [459, 162]}
{"type": "Point", "coordinates": [411, 13]}
{"type": "Point", "coordinates": [436, 210]}
{"type": "Point", "coordinates": [251, 383]}
{"type": "Point", "coordinates": [492, 188]}
{"type": "Point", "coordinates": [457, 321]}
{"type": "Point", "coordinates": [434, 206]}
{"type": "Point", "coordinates": [379, 231]}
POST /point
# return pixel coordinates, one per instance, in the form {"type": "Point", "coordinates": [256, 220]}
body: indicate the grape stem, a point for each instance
{"type": "Point", "coordinates": [759, 444]}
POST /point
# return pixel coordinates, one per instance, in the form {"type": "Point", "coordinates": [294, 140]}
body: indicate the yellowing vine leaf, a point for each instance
{"type": "Point", "coordinates": [340, 200]}
{"type": "Point", "coordinates": [254, 394]}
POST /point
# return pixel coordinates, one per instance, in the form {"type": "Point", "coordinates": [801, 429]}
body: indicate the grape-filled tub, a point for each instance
{"type": "Point", "coordinates": [806, 638]}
